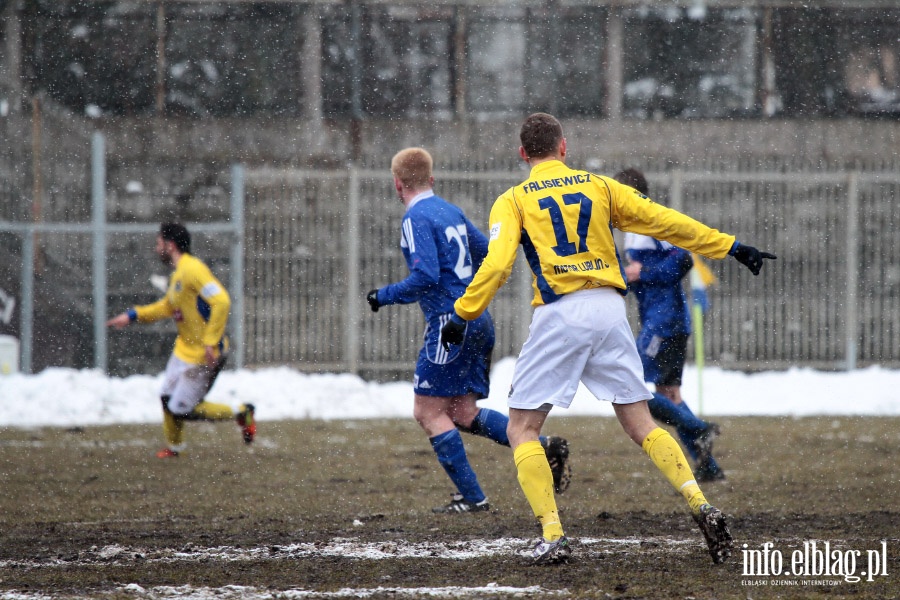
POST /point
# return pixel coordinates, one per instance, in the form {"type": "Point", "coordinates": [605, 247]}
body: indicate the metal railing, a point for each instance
{"type": "Point", "coordinates": [303, 246]}
{"type": "Point", "coordinates": [98, 230]}
{"type": "Point", "coordinates": [318, 240]}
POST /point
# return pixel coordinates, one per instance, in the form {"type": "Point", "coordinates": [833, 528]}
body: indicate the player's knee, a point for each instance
{"type": "Point", "coordinates": [430, 420]}
{"type": "Point", "coordinates": [463, 413]}
{"type": "Point", "coordinates": [635, 419]}
{"type": "Point", "coordinates": [420, 414]}
{"type": "Point", "coordinates": [178, 408]}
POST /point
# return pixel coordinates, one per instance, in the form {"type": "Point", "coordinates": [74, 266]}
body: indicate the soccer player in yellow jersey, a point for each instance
{"type": "Point", "coordinates": [563, 218]}
{"type": "Point", "coordinates": [199, 304]}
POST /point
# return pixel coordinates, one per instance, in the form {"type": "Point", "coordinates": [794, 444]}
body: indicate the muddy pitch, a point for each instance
{"type": "Point", "coordinates": [343, 509]}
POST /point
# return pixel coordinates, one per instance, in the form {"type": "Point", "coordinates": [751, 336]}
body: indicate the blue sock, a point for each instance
{"type": "Point", "coordinates": [679, 415]}
{"type": "Point", "coordinates": [452, 456]}
{"type": "Point", "coordinates": [663, 409]}
{"type": "Point", "coordinates": [687, 440]}
{"type": "Point", "coordinates": [689, 420]}
{"type": "Point", "coordinates": [688, 435]}
{"type": "Point", "coordinates": [490, 424]}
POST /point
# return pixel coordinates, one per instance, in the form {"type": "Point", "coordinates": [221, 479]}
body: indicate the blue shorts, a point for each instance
{"type": "Point", "coordinates": [463, 369]}
{"type": "Point", "coordinates": [663, 358]}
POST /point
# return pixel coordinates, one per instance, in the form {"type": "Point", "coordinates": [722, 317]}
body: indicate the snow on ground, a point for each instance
{"type": "Point", "coordinates": [68, 397]}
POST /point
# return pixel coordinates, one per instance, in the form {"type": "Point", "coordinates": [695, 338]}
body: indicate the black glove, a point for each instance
{"type": "Point", "coordinates": [452, 332]}
{"type": "Point", "coordinates": [750, 257]}
{"type": "Point", "coordinates": [372, 299]}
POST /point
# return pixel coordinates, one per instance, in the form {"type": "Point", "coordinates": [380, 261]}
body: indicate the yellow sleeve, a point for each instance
{"type": "Point", "coordinates": [216, 296]}
{"type": "Point", "coordinates": [160, 309]}
{"type": "Point", "coordinates": [505, 235]}
{"type": "Point", "coordinates": [632, 211]}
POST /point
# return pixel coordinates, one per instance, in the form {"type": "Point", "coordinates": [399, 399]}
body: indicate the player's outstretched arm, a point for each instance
{"type": "Point", "coordinates": [120, 321]}
{"type": "Point", "coordinates": [750, 256]}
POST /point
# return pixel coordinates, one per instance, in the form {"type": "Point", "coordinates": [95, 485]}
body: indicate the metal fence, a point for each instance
{"type": "Point", "coordinates": [316, 241]}
{"type": "Point", "coordinates": [64, 271]}
{"type": "Point", "coordinates": [313, 242]}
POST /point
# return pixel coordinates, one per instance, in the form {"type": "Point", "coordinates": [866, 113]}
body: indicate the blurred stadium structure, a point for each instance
{"type": "Point", "coordinates": [364, 58]}
{"type": "Point", "coordinates": [768, 119]}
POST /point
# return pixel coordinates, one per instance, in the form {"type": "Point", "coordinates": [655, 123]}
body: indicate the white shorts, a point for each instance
{"type": "Point", "coordinates": [584, 336]}
{"type": "Point", "coordinates": [186, 384]}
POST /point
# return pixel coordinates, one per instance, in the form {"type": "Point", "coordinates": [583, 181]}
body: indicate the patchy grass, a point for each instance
{"type": "Point", "coordinates": [323, 506]}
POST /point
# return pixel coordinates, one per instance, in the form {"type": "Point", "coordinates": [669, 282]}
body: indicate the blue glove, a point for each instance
{"type": "Point", "coordinates": [750, 256]}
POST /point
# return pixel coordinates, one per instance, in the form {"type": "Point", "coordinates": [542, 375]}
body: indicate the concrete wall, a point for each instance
{"type": "Point", "coordinates": [321, 143]}
{"type": "Point", "coordinates": [176, 161]}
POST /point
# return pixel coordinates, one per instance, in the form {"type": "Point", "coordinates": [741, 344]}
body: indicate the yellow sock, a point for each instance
{"type": "Point", "coordinates": [666, 454]}
{"type": "Point", "coordinates": [211, 411]}
{"type": "Point", "coordinates": [536, 480]}
{"type": "Point", "coordinates": [173, 430]}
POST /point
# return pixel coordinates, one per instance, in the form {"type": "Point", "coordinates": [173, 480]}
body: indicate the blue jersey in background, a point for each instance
{"type": "Point", "coordinates": [662, 305]}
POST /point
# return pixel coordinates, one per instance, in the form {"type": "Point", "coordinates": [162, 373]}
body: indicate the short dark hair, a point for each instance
{"type": "Point", "coordinates": [177, 233]}
{"type": "Point", "coordinates": [540, 135]}
{"type": "Point", "coordinates": [633, 178]}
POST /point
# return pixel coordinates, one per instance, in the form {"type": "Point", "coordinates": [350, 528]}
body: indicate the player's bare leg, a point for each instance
{"type": "Point", "coordinates": [433, 415]}
{"type": "Point", "coordinates": [493, 425]}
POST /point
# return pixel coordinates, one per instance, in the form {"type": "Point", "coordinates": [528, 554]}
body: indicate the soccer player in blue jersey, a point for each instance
{"type": "Point", "coordinates": [563, 219]}
{"type": "Point", "coordinates": [654, 273]}
{"type": "Point", "coordinates": [443, 249]}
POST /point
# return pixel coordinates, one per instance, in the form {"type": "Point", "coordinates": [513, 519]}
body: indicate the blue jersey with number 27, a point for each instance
{"type": "Point", "coordinates": [443, 250]}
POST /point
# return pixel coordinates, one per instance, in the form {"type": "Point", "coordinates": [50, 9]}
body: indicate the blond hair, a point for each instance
{"type": "Point", "coordinates": [412, 166]}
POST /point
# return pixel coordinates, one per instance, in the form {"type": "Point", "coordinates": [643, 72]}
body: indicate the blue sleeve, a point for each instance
{"type": "Point", "coordinates": [423, 262]}
{"type": "Point", "coordinates": [670, 270]}
{"type": "Point", "coordinates": [478, 244]}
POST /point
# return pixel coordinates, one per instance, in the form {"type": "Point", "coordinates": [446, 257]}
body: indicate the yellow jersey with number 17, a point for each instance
{"type": "Point", "coordinates": [198, 303]}
{"type": "Point", "coordinates": [563, 218]}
